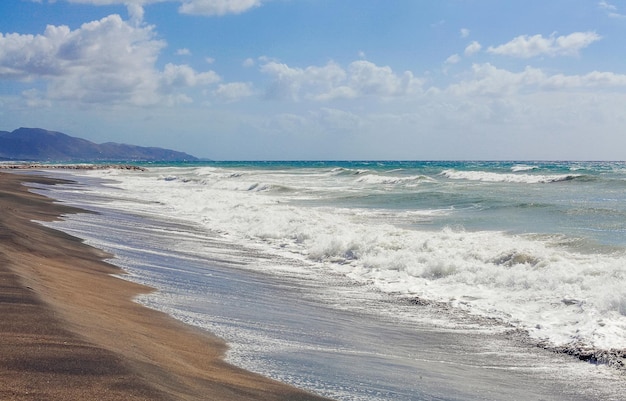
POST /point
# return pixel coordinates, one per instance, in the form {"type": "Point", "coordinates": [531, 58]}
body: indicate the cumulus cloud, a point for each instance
{"type": "Point", "coordinates": [488, 80]}
{"type": "Point", "coordinates": [288, 82]}
{"type": "Point", "coordinates": [531, 46]}
{"type": "Point", "coordinates": [362, 78]}
{"type": "Point", "coordinates": [135, 12]}
{"type": "Point", "coordinates": [104, 61]}
{"type": "Point", "coordinates": [472, 48]}
{"type": "Point", "coordinates": [492, 81]}
{"type": "Point", "coordinates": [184, 76]}
{"type": "Point", "coordinates": [464, 32]}
{"type": "Point", "coordinates": [369, 79]}
{"type": "Point", "coordinates": [234, 91]}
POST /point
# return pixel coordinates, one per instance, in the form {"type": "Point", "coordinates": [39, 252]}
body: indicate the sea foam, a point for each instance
{"type": "Point", "coordinates": [557, 294]}
{"type": "Point", "coordinates": [503, 177]}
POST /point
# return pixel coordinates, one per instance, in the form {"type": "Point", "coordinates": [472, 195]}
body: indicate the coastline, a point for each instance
{"type": "Point", "coordinates": [73, 332]}
{"type": "Point", "coordinates": [70, 166]}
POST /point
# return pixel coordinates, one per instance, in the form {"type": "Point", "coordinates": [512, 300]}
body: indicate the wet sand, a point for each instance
{"type": "Point", "coordinates": [70, 330]}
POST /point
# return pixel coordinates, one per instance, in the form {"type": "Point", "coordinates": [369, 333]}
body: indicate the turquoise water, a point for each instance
{"type": "Point", "coordinates": [576, 199]}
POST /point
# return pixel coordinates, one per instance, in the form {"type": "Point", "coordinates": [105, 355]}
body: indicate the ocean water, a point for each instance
{"type": "Point", "coordinates": [382, 280]}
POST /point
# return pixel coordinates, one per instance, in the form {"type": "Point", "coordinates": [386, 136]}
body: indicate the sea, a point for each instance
{"type": "Point", "coordinates": [381, 280]}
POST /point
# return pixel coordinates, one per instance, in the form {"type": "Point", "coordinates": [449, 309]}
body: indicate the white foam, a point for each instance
{"type": "Point", "coordinates": [522, 167]}
{"type": "Point", "coordinates": [532, 283]}
{"type": "Point", "coordinates": [486, 176]}
{"type": "Point", "coordinates": [393, 180]}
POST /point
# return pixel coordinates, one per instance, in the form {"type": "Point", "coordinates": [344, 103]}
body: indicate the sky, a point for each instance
{"type": "Point", "coordinates": [323, 79]}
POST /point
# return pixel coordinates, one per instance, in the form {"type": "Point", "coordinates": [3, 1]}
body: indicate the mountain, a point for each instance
{"type": "Point", "coordinates": [36, 144]}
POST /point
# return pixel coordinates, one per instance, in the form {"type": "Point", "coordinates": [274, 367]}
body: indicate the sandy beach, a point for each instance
{"type": "Point", "coordinates": [70, 330]}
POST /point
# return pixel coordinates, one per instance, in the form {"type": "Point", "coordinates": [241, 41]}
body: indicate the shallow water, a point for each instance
{"type": "Point", "coordinates": [540, 246]}
{"type": "Point", "coordinates": [322, 330]}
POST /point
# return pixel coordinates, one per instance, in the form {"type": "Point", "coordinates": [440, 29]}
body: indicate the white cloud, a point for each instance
{"type": "Point", "coordinates": [184, 76]}
{"type": "Point", "coordinates": [339, 92]}
{"type": "Point", "coordinates": [370, 79]}
{"type": "Point", "coordinates": [594, 79]}
{"type": "Point", "coordinates": [361, 78]}
{"type": "Point", "coordinates": [453, 59]}
{"type": "Point", "coordinates": [135, 12]}
{"type": "Point", "coordinates": [234, 91]}
{"type": "Point", "coordinates": [249, 62]}
{"type": "Point", "coordinates": [134, 7]}
{"type": "Point", "coordinates": [606, 6]}
{"type": "Point", "coordinates": [472, 48]}
{"type": "Point", "coordinates": [611, 10]}
{"type": "Point", "coordinates": [531, 46]}
{"type": "Point", "coordinates": [196, 7]}
{"type": "Point", "coordinates": [490, 81]}
{"type": "Point", "coordinates": [217, 7]}
{"type": "Point", "coordinates": [104, 61]}
{"type": "Point", "coordinates": [183, 52]}
{"type": "Point", "coordinates": [110, 2]}
{"type": "Point", "coordinates": [288, 82]}
{"type": "Point", "coordinates": [464, 32]}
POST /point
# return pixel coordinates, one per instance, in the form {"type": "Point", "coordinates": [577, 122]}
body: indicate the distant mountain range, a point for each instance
{"type": "Point", "coordinates": [36, 144]}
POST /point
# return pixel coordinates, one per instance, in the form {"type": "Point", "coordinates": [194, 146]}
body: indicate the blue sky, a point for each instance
{"type": "Point", "coordinates": [322, 79]}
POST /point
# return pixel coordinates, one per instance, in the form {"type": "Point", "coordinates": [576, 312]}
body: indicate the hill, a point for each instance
{"type": "Point", "coordinates": [36, 144]}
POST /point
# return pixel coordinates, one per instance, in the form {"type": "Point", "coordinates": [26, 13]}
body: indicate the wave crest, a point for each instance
{"type": "Point", "coordinates": [486, 176]}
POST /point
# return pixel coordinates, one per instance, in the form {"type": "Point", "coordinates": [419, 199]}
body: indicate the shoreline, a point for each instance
{"type": "Point", "coordinates": [69, 166]}
{"type": "Point", "coordinates": [73, 331]}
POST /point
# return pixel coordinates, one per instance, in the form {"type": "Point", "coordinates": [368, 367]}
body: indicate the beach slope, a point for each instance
{"type": "Point", "coordinates": [70, 330]}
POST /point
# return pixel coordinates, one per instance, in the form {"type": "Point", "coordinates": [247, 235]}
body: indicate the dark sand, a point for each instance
{"type": "Point", "coordinates": [70, 331]}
